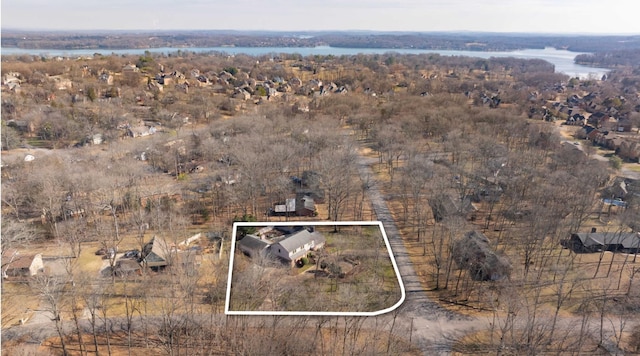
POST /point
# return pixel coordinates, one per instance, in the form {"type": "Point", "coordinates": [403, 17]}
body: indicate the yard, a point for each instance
{"type": "Point", "coordinates": [353, 273]}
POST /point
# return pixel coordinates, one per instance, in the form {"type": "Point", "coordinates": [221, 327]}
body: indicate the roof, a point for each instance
{"type": "Point", "coordinates": [448, 206]}
{"type": "Point", "coordinates": [301, 238]}
{"type": "Point", "coordinates": [288, 207]}
{"type": "Point", "coordinates": [626, 239]}
{"type": "Point", "coordinates": [253, 242]}
{"type": "Point", "coordinates": [308, 203]}
{"type": "Point", "coordinates": [124, 265]}
{"type": "Point", "coordinates": [18, 261]}
{"type": "Point", "coordinates": [156, 252]}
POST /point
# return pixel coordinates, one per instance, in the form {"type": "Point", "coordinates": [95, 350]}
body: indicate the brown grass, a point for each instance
{"type": "Point", "coordinates": [331, 343]}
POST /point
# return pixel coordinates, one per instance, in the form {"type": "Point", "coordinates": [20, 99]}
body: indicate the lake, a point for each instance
{"type": "Point", "coordinates": [562, 59]}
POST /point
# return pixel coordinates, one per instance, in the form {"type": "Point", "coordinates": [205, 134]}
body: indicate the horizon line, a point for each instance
{"type": "Point", "coordinates": [51, 30]}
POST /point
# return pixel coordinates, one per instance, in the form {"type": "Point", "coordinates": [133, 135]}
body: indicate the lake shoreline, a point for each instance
{"type": "Point", "coordinates": [563, 60]}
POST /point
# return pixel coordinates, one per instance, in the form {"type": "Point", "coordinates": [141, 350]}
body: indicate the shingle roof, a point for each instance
{"type": "Point", "coordinates": [626, 239]}
{"type": "Point", "coordinates": [301, 238]}
{"type": "Point", "coordinates": [252, 242]}
{"type": "Point", "coordinates": [158, 253]}
{"type": "Point", "coordinates": [18, 261]}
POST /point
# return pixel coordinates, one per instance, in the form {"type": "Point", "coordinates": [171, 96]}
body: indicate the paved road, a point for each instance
{"type": "Point", "coordinates": [624, 171]}
{"type": "Point", "coordinates": [567, 135]}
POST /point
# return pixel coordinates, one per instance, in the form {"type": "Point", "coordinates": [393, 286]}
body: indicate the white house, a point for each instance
{"type": "Point", "coordinates": [16, 265]}
{"type": "Point", "coordinates": [297, 245]}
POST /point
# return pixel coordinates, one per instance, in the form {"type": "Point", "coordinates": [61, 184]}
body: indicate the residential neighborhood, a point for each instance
{"type": "Point", "coordinates": [173, 201]}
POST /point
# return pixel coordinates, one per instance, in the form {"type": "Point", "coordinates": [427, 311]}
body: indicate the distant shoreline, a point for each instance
{"type": "Point", "coordinates": [563, 60]}
{"type": "Point", "coordinates": [432, 41]}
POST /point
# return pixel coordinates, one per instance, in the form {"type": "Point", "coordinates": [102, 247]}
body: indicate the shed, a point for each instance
{"type": "Point", "coordinates": [127, 267]}
{"type": "Point", "coordinates": [302, 205]}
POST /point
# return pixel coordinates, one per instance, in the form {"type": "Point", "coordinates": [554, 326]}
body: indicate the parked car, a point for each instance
{"type": "Point", "coordinates": [131, 254]}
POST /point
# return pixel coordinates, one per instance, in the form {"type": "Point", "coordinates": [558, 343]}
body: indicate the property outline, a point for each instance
{"type": "Point", "coordinates": [312, 313]}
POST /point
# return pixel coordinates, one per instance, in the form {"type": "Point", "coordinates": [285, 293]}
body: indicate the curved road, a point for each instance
{"type": "Point", "coordinates": [433, 326]}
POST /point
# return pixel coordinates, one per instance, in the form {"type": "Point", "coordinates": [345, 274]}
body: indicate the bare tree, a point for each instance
{"type": "Point", "coordinates": [337, 168]}
{"type": "Point", "coordinates": [51, 290]}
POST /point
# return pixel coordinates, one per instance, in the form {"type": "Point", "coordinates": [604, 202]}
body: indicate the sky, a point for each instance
{"type": "Point", "coordinates": [528, 16]}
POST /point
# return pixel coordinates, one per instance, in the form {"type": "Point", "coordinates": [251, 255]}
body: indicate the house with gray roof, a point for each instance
{"type": "Point", "coordinates": [157, 253]}
{"type": "Point", "coordinates": [253, 246]}
{"type": "Point", "coordinates": [297, 245]}
{"type": "Point", "coordinates": [584, 242]}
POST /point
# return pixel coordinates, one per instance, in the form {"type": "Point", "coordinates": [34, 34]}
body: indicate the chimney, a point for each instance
{"type": "Point", "coordinates": [593, 230]}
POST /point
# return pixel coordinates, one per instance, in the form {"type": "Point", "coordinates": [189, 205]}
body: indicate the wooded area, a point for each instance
{"type": "Point", "coordinates": [483, 164]}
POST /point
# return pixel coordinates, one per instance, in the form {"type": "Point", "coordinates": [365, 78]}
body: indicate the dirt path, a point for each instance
{"type": "Point", "coordinates": [434, 327]}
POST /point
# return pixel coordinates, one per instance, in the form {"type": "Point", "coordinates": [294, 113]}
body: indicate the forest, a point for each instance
{"type": "Point", "coordinates": [486, 173]}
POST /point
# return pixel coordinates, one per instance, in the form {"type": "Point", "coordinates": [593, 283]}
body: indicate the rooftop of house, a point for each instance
{"type": "Point", "coordinates": [625, 239]}
{"type": "Point", "coordinates": [253, 242]}
{"type": "Point", "coordinates": [301, 238]}
{"type": "Point", "coordinates": [18, 261]}
{"type": "Point", "coordinates": [157, 250]}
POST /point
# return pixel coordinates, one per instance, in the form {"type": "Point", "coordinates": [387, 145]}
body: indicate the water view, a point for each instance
{"type": "Point", "coordinates": [562, 59]}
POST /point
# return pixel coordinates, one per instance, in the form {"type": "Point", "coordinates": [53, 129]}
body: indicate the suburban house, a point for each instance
{"type": "Point", "coordinates": [623, 188]}
{"type": "Point", "coordinates": [157, 253]}
{"type": "Point", "coordinates": [301, 205]}
{"type": "Point", "coordinates": [16, 265]}
{"type": "Point", "coordinates": [297, 245]}
{"type": "Point", "coordinates": [290, 247]}
{"type": "Point", "coordinates": [474, 253]}
{"type": "Point", "coordinates": [584, 242]}
{"type": "Point", "coordinates": [446, 205]}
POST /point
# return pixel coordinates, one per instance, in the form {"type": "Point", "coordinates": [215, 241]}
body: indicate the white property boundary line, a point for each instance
{"type": "Point", "coordinates": [312, 223]}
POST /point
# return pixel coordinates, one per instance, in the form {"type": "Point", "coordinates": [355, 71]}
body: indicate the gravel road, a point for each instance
{"type": "Point", "coordinates": [433, 326]}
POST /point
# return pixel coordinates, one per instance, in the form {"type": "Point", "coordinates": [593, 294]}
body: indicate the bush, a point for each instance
{"type": "Point", "coordinates": [305, 261]}
{"type": "Point", "coordinates": [615, 162]}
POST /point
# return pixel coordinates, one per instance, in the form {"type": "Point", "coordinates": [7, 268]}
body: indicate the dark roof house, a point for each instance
{"type": "Point", "coordinates": [584, 242]}
{"type": "Point", "coordinates": [253, 246]}
{"type": "Point", "coordinates": [445, 205]}
{"type": "Point", "coordinates": [473, 253]}
{"type": "Point", "coordinates": [157, 253]}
